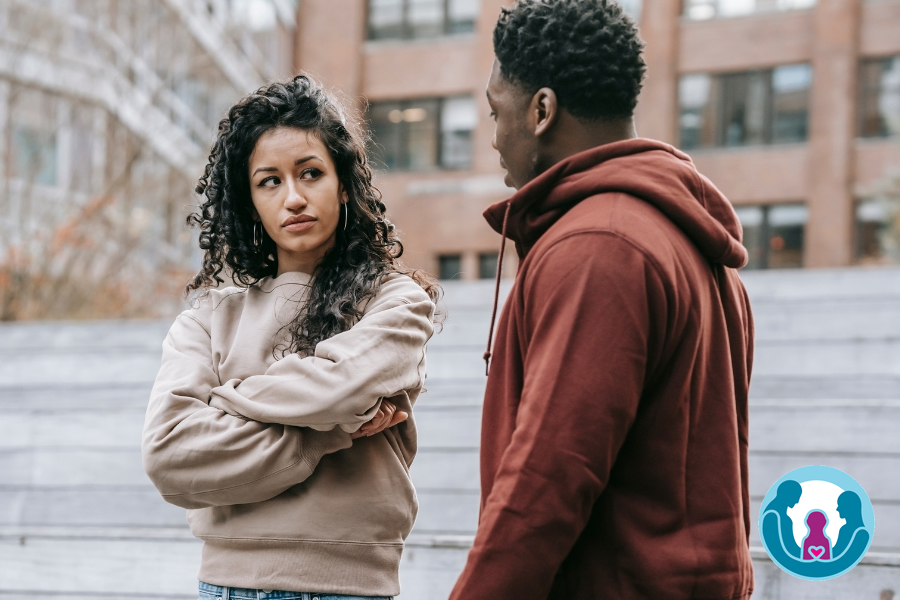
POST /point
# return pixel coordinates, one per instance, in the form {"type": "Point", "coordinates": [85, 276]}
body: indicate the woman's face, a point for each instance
{"type": "Point", "coordinates": [297, 196]}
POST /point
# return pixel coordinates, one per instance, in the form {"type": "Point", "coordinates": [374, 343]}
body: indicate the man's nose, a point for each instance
{"type": "Point", "coordinates": [494, 141]}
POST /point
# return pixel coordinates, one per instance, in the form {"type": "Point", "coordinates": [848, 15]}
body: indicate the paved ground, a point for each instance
{"type": "Point", "coordinates": [79, 519]}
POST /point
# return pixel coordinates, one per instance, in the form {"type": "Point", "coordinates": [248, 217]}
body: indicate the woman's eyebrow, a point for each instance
{"type": "Point", "coordinates": [298, 162]}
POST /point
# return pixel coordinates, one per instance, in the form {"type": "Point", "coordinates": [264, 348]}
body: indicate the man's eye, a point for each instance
{"type": "Point", "coordinates": [269, 182]}
{"type": "Point", "coordinates": [492, 115]}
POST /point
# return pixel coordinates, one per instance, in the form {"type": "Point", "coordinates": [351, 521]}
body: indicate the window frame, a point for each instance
{"type": "Point", "coordinates": [450, 256]}
{"type": "Point", "coordinates": [715, 109]}
{"type": "Point", "coordinates": [407, 30]}
{"type": "Point", "coordinates": [766, 229]}
{"type": "Point", "coordinates": [865, 93]}
{"type": "Point", "coordinates": [404, 150]}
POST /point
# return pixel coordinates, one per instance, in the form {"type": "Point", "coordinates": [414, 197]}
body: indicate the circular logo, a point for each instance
{"type": "Point", "coordinates": [816, 522]}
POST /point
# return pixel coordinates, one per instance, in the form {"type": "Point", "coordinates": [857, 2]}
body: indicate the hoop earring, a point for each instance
{"type": "Point", "coordinates": [346, 216]}
{"type": "Point", "coordinates": [257, 233]}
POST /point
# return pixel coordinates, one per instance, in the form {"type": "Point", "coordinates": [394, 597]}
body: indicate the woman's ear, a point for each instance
{"type": "Point", "coordinates": [345, 197]}
{"type": "Point", "coordinates": [255, 214]}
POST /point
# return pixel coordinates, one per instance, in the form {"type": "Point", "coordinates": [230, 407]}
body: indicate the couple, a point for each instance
{"type": "Point", "coordinates": [614, 448]}
{"type": "Point", "coordinates": [816, 557]}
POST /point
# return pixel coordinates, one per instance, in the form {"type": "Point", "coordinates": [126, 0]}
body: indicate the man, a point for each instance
{"type": "Point", "coordinates": [614, 444]}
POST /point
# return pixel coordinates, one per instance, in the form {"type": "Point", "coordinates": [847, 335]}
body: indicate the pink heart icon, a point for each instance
{"type": "Point", "coordinates": [817, 551]}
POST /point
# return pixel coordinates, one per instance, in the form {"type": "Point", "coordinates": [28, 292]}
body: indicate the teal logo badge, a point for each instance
{"type": "Point", "coordinates": [816, 522]}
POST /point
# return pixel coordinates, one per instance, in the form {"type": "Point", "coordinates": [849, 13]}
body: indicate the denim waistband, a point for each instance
{"type": "Point", "coordinates": [232, 593]}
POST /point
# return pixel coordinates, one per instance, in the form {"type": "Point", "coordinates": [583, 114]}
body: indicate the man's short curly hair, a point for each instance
{"type": "Point", "coordinates": [587, 51]}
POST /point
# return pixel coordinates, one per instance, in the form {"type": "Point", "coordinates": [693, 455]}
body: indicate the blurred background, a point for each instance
{"type": "Point", "coordinates": [107, 112]}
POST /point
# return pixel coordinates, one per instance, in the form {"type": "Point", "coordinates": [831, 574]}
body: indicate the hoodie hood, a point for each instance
{"type": "Point", "coordinates": [655, 172]}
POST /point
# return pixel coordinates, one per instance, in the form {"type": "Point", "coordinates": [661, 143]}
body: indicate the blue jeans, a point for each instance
{"type": "Point", "coordinates": [217, 592]}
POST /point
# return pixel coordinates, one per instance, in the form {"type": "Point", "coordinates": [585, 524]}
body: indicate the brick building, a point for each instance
{"type": "Point", "coordinates": [792, 107]}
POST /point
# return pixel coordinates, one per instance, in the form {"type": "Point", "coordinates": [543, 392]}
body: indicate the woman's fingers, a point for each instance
{"type": "Point", "coordinates": [377, 419]}
{"type": "Point", "coordinates": [386, 417]}
{"type": "Point", "coordinates": [398, 418]}
{"type": "Point", "coordinates": [386, 413]}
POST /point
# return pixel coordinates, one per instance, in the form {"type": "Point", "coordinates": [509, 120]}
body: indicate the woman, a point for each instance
{"type": "Point", "coordinates": [279, 415]}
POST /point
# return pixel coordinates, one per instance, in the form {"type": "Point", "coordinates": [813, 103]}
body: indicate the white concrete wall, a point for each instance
{"type": "Point", "coordinates": [79, 518]}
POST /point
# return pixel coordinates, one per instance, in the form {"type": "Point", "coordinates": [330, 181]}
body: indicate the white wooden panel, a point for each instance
{"type": "Point", "coordinates": [452, 392]}
{"type": "Point", "coordinates": [449, 428]}
{"type": "Point", "coordinates": [442, 512]}
{"type": "Point", "coordinates": [44, 336]}
{"type": "Point", "coordinates": [66, 367]}
{"type": "Point", "coordinates": [88, 506]}
{"type": "Point", "coordinates": [114, 568]}
{"type": "Point", "coordinates": [827, 357]}
{"type": "Point", "coordinates": [16, 467]}
{"type": "Point", "coordinates": [71, 397]}
{"type": "Point", "coordinates": [825, 386]}
{"type": "Point", "coordinates": [871, 471]}
{"type": "Point", "coordinates": [791, 284]}
{"type": "Point", "coordinates": [455, 362]}
{"type": "Point", "coordinates": [72, 429]}
{"type": "Point", "coordinates": [825, 429]}
{"type": "Point", "coordinates": [462, 295]}
{"type": "Point", "coordinates": [446, 470]}
{"type": "Point", "coordinates": [817, 319]}
{"type": "Point", "coordinates": [464, 328]}
{"type": "Point", "coordinates": [430, 572]}
{"type": "Point", "coordinates": [864, 582]}
{"type": "Point", "coordinates": [53, 467]}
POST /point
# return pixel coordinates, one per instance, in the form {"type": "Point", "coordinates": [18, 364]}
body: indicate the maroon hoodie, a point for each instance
{"type": "Point", "coordinates": [614, 438]}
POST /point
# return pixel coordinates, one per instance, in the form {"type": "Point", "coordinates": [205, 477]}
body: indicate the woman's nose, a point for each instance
{"type": "Point", "coordinates": [295, 199]}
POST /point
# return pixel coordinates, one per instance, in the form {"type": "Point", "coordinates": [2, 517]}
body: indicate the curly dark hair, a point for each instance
{"type": "Point", "coordinates": [367, 250]}
{"type": "Point", "coordinates": [587, 51]}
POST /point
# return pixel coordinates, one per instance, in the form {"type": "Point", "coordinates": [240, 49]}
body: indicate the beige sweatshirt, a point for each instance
{"type": "Point", "coordinates": [259, 450]}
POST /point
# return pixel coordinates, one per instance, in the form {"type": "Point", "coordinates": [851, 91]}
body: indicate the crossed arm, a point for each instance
{"type": "Point", "coordinates": [206, 444]}
{"type": "Point", "coordinates": [344, 382]}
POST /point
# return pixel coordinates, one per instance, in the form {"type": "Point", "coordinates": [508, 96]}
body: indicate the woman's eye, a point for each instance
{"type": "Point", "coordinates": [269, 182]}
{"type": "Point", "coordinates": [310, 174]}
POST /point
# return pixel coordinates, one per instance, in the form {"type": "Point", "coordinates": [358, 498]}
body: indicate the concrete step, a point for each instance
{"type": "Point", "coordinates": [77, 513]}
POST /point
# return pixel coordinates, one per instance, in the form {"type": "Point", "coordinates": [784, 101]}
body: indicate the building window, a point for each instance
{"type": "Point", "coordinates": [773, 235]}
{"type": "Point", "coordinates": [450, 266]}
{"type": "Point", "coordinates": [880, 97]}
{"type": "Point", "coordinates": [419, 135]}
{"type": "Point", "coordinates": [877, 238]}
{"type": "Point", "coordinates": [487, 265]}
{"type": "Point", "coordinates": [699, 10]}
{"type": "Point", "coordinates": [412, 19]}
{"type": "Point", "coordinates": [34, 155]}
{"type": "Point", "coordinates": [750, 108]}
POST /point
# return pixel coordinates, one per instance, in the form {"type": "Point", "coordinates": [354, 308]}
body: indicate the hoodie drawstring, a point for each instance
{"type": "Point", "coordinates": [487, 353]}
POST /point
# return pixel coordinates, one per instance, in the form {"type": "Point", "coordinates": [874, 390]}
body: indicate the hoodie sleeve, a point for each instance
{"type": "Point", "coordinates": [345, 380]}
{"type": "Point", "coordinates": [591, 306]}
{"type": "Point", "coordinates": [197, 455]}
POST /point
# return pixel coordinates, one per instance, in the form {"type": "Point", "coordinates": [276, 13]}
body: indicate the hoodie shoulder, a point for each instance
{"type": "Point", "coordinates": [642, 225]}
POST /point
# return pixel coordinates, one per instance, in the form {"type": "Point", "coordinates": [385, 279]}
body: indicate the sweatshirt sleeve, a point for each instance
{"type": "Point", "coordinates": [591, 309]}
{"type": "Point", "coordinates": [199, 456]}
{"type": "Point", "coordinates": [344, 381]}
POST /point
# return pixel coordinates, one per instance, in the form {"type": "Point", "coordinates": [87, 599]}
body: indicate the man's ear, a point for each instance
{"type": "Point", "coordinates": [543, 111]}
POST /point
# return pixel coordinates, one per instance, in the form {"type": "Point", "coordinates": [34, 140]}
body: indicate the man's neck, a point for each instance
{"type": "Point", "coordinates": [571, 136]}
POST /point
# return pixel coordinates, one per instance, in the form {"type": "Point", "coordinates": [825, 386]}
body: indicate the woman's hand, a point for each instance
{"type": "Point", "coordinates": [387, 416]}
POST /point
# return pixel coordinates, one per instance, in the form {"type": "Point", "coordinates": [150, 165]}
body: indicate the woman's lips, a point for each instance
{"type": "Point", "coordinates": [299, 226]}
